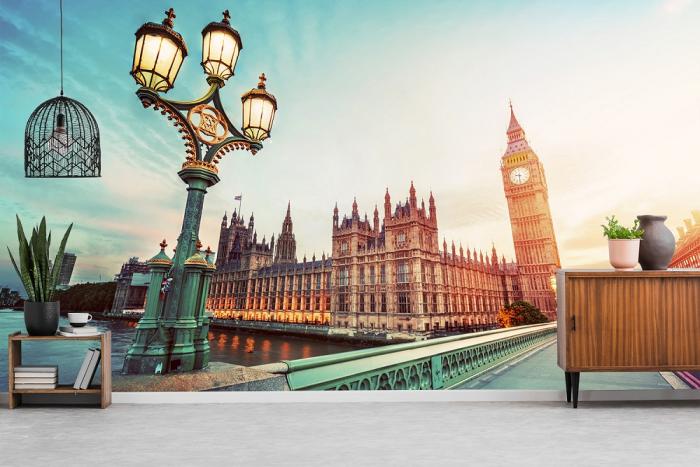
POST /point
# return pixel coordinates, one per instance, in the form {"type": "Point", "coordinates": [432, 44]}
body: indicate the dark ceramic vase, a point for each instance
{"type": "Point", "coordinates": [657, 245]}
{"type": "Point", "coordinates": [41, 318]}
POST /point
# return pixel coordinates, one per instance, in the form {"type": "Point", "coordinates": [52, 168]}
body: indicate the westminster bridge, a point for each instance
{"type": "Point", "coordinates": [441, 363]}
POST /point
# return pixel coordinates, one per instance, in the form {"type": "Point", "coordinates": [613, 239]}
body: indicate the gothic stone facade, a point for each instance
{"type": "Point", "coordinates": [391, 275]}
{"type": "Point", "coordinates": [263, 281]}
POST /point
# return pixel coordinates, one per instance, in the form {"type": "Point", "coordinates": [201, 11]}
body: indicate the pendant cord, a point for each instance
{"type": "Point", "coordinates": [61, 8]}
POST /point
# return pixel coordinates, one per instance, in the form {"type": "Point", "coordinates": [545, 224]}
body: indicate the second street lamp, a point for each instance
{"type": "Point", "coordinates": [172, 334]}
{"type": "Point", "coordinates": [221, 45]}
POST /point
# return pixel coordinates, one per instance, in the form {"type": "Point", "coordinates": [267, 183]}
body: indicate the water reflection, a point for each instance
{"type": "Point", "coordinates": [239, 347]}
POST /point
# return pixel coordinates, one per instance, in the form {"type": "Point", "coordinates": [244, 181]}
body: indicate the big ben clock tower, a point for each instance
{"type": "Point", "coordinates": [531, 220]}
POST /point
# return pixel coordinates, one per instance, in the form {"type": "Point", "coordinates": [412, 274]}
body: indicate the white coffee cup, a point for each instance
{"type": "Point", "coordinates": [79, 319]}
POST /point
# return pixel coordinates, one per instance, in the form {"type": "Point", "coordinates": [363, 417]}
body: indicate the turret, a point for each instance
{"type": "Point", "coordinates": [431, 207]}
{"type": "Point", "coordinates": [224, 221]}
{"type": "Point", "coordinates": [387, 206]}
{"type": "Point", "coordinates": [355, 212]}
{"type": "Point", "coordinates": [376, 220]}
{"type": "Point", "coordinates": [412, 197]}
{"type": "Point", "coordinates": [444, 246]}
{"type": "Point", "coordinates": [335, 216]}
{"type": "Point", "coordinates": [251, 222]}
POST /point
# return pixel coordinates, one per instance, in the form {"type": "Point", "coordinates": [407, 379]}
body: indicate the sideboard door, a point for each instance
{"type": "Point", "coordinates": [680, 322]}
{"type": "Point", "coordinates": [614, 323]}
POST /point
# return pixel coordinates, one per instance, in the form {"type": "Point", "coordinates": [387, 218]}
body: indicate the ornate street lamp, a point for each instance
{"type": "Point", "coordinates": [171, 335]}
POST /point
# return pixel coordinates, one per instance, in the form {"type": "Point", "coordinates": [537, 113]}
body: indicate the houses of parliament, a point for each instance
{"type": "Point", "coordinates": [392, 273]}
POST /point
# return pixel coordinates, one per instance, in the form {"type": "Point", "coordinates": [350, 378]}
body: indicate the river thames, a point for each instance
{"type": "Point", "coordinates": [230, 346]}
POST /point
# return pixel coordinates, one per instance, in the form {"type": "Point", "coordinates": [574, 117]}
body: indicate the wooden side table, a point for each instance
{"type": "Point", "coordinates": [14, 348]}
{"type": "Point", "coordinates": [627, 321]}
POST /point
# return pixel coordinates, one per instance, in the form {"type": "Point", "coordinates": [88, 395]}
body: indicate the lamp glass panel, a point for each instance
{"type": "Point", "coordinates": [176, 67]}
{"type": "Point", "coordinates": [151, 45]}
{"type": "Point", "coordinates": [166, 57]}
{"type": "Point", "coordinates": [137, 53]}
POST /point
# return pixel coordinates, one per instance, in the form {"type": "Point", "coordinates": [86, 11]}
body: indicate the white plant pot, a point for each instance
{"type": "Point", "coordinates": [624, 254]}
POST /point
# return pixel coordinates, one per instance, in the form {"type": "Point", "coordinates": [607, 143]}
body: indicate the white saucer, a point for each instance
{"type": "Point", "coordinates": [71, 334]}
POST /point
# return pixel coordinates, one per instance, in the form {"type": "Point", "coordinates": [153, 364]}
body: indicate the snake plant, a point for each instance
{"type": "Point", "coordinates": [38, 276]}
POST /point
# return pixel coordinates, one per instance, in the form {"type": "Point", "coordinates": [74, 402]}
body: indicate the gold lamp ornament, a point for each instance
{"type": "Point", "coordinates": [259, 108]}
{"type": "Point", "coordinates": [221, 45]}
{"type": "Point", "coordinates": [158, 54]}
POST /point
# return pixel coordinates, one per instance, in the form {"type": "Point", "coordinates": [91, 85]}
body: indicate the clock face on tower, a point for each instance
{"type": "Point", "coordinates": [519, 175]}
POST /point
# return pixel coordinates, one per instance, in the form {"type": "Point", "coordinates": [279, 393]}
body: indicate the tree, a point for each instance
{"type": "Point", "coordinates": [520, 313]}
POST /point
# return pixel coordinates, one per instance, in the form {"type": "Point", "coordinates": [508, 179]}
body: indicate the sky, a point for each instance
{"type": "Point", "coordinates": [372, 94]}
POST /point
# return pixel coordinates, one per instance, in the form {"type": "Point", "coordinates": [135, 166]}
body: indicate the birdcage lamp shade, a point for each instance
{"type": "Point", "coordinates": [62, 139]}
{"type": "Point", "coordinates": [221, 45]}
{"type": "Point", "coordinates": [259, 108]}
{"type": "Point", "coordinates": [158, 56]}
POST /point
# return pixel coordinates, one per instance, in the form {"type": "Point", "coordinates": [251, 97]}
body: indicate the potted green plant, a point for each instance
{"type": "Point", "coordinates": [623, 243]}
{"type": "Point", "coordinates": [39, 278]}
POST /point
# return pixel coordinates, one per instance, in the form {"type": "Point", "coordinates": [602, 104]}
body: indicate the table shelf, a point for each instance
{"type": "Point", "coordinates": [15, 359]}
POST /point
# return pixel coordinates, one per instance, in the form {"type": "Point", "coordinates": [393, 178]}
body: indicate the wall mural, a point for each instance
{"type": "Point", "coordinates": [435, 270]}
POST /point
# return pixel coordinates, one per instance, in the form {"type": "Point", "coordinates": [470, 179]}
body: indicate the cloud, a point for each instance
{"type": "Point", "coordinates": [675, 6]}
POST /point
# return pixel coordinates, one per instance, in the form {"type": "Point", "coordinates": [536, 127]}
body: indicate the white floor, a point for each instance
{"type": "Point", "coordinates": [357, 434]}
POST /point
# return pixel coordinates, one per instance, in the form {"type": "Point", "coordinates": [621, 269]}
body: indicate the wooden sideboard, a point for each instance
{"type": "Point", "coordinates": [627, 321]}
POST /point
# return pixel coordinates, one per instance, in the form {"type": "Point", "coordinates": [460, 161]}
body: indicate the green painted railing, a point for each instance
{"type": "Point", "coordinates": [433, 364]}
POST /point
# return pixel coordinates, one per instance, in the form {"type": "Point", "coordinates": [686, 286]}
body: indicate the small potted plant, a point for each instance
{"type": "Point", "coordinates": [623, 243]}
{"type": "Point", "coordinates": [39, 278]}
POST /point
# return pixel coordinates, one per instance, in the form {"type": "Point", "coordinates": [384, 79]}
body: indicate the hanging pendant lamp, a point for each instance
{"type": "Point", "coordinates": [62, 139]}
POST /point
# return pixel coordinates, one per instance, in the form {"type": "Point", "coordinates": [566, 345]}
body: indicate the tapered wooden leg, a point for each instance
{"type": "Point", "coordinates": [567, 378]}
{"type": "Point", "coordinates": [575, 378]}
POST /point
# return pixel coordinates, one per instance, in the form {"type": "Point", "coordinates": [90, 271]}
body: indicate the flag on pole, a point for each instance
{"type": "Point", "coordinates": [238, 197]}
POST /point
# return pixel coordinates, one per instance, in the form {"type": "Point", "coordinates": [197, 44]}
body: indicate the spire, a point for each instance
{"type": "Point", "coordinates": [355, 213]}
{"type": "Point", "coordinates": [224, 221]}
{"type": "Point", "coordinates": [431, 206]}
{"type": "Point", "coordinates": [335, 215]}
{"type": "Point", "coordinates": [387, 205]}
{"type": "Point", "coordinates": [412, 196]}
{"type": "Point", "coordinates": [515, 132]}
{"type": "Point", "coordinates": [289, 205]}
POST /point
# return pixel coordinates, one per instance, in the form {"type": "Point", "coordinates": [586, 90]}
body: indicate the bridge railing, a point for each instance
{"type": "Point", "coordinates": [433, 364]}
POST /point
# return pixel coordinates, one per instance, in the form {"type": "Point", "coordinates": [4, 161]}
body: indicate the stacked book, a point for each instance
{"type": "Point", "coordinates": [71, 331]}
{"type": "Point", "coordinates": [36, 377]}
{"type": "Point", "coordinates": [87, 369]}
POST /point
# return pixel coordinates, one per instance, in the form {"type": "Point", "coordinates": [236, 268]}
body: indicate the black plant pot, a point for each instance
{"type": "Point", "coordinates": [41, 318]}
